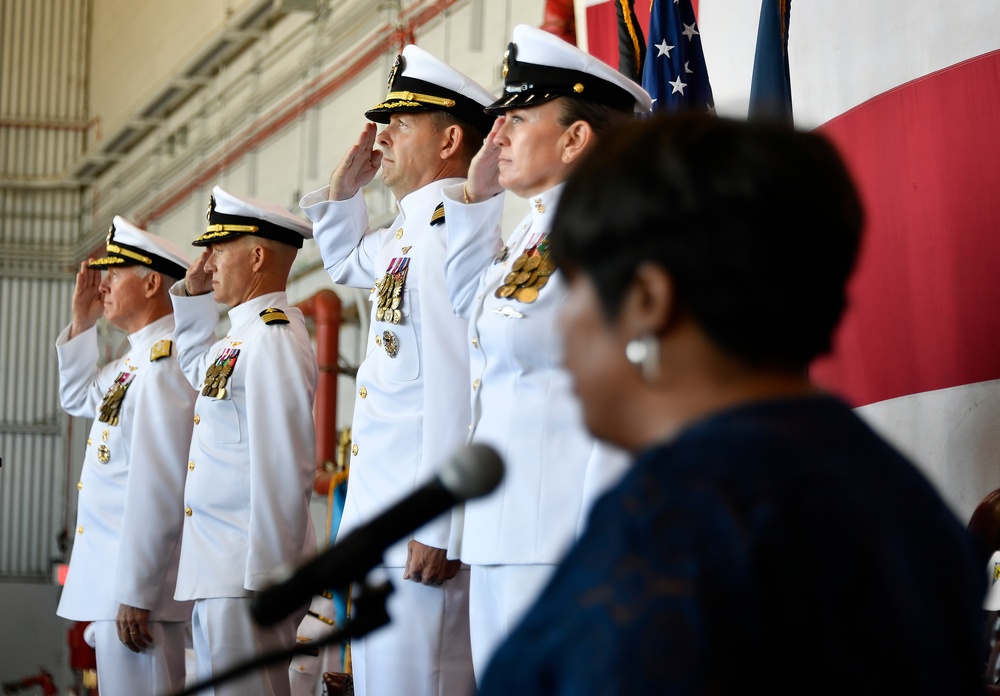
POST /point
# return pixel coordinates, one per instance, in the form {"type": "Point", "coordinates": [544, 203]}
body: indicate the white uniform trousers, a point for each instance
{"type": "Point", "coordinates": [499, 596]}
{"type": "Point", "coordinates": [225, 635]}
{"type": "Point", "coordinates": [424, 650]}
{"type": "Point", "coordinates": [158, 669]}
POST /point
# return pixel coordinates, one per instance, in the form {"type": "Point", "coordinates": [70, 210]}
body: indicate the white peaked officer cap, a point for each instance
{"type": "Point", "coordinates": [230, 216]}
{"type": "Point", "coordinates": [127, 245]}
{"type": "Point", "coordinates": [539, 67]}
{"type": "Point", "coordinates": [992, 601]}
{"type": "Point", "coordinates": [420, 82]}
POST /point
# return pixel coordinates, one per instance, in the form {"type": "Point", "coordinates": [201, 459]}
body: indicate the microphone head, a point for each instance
{"type": "Point", "coordinates": [472, 471]}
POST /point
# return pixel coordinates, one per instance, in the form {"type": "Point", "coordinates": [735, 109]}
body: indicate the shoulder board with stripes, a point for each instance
{"type": "Point", "coordinates": [272, 315]}
{"type": "Point", "coordinates": [437, 218]}
{"type": "Point", "coordinates": [160, 350]}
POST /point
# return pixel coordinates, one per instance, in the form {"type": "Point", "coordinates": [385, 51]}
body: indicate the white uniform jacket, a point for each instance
{"type": "Point", "coordinates": [129, 512]}
{"type": "Point", "coordinates": [411, 411]}
{"type": "Point", "coordinates": [522, 399]}
{"type": "Point", "coordinates": [252, 460]}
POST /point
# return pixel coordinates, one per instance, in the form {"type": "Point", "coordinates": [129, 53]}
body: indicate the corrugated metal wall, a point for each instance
{"type": "Point", "coordinates": [43, 130]}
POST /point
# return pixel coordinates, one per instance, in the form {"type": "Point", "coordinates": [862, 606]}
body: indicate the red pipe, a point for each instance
{"type": "Point", "coordinates": [324, 308]}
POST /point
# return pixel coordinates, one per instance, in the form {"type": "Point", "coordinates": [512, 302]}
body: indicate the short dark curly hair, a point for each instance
{"type": "Point", "coordinates": [758, 225]}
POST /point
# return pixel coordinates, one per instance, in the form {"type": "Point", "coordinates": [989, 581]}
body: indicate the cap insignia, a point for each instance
{"type": "Point", "coordinates": [272, 315]}
{"type": "Point", "coordinates": [508, 55]}
{"type": "Point", "coordinates": [211, 208]}
{"type": "Point", "coordinates": [111, 233]}
{"type": "Point", "coordinates": [396, 67]}
{"type": "Point", "coordinates": [160, 350]}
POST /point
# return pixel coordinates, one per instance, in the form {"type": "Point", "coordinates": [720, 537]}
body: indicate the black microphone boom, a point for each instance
{"type": "Point", "coordinates": [473, 471]}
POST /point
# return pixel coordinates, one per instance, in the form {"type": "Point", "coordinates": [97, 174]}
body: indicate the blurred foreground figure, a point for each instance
{"type": "Point", "coordinates": [766, 540]}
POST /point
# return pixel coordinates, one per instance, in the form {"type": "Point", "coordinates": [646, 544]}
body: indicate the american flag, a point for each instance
{"type": "Point", "coordinates": [674, 73]}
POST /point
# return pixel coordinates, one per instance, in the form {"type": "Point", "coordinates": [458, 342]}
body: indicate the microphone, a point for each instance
{"type": "Point", "coordinates": [471, 472]}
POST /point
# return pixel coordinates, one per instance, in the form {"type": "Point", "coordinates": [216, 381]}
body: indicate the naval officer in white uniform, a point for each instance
{"type": "Point", "coordinates": [251, 462]}
{"type": "Point", "coordinates": [411, 410]}
{"type": "Point", "coordinates": [124, 560]}
{"type": "Point", "coordinates": [558, 100]}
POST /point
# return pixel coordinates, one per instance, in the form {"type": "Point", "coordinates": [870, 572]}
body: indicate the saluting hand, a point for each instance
{"type": "Point", "coordinates": [484, 170]}
{"type": "Point", "coordinates": [358, 166]}
{"type": "Point", "coordinates": [198, 281]}
{"type": "Point", "coordinates": [88, 305]}
{"type": "Point", "coordinates": [428, 565]}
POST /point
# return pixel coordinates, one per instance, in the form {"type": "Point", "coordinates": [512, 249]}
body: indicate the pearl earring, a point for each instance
{"type": "Point", "coordinates": [644, 352]}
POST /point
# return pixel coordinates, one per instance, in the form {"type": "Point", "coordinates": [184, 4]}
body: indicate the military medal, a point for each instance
{"type": "Point", "coordinates": [390, 291]}
{"type": "Point", "coordinates": [526, 295]}
{"type": "Point", "coordinates": [218, 373]}
{"type": "Point", "coordinates": [111, 406]}
{"type": "Point", "coordinates": [529, 273]}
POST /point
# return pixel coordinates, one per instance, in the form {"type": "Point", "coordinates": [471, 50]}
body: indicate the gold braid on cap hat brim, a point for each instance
{"type": "Point", "coordinates": [216, 231]}
{"type": "Point", "coordinates": [413, 99]}
{"type": "Point", "coordinates": [120, 256]}
{"type": "Point", "coordinates": [115, 249]}
{"type": "Point", "coordinates": [105, 261]}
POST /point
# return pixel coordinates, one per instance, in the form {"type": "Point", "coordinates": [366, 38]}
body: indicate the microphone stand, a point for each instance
{"type": "Point", "coordinates": [371, 614]}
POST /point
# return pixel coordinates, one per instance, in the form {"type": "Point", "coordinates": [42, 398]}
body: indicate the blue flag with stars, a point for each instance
{"type": "Point", "coordinates": [674, 73]}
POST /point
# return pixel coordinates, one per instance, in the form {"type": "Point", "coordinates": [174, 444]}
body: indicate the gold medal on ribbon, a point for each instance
{"type": "Point", "coordinates": [390, 297]}
{"type": "Point", "coordinates": [218, 373]}
{"type": "Point", "coordinates": [113, 398]}
{"type": "Point", "coordinates": [530, 273]}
